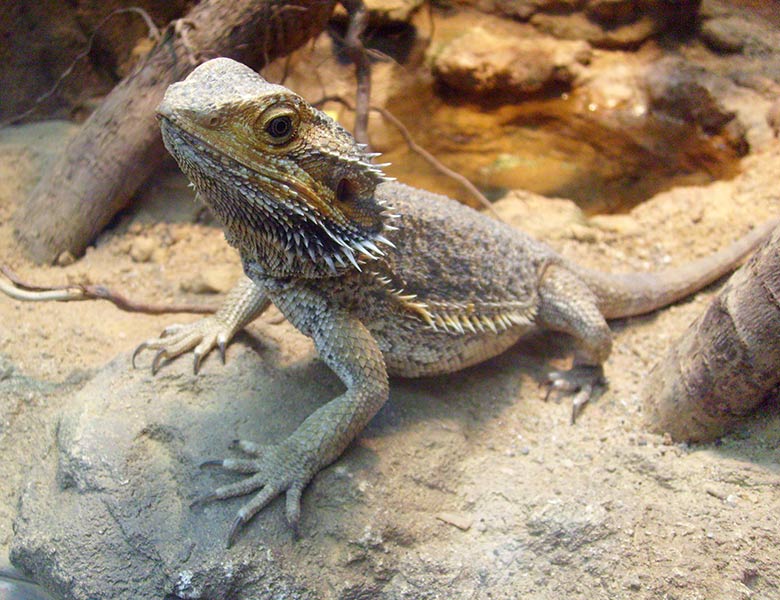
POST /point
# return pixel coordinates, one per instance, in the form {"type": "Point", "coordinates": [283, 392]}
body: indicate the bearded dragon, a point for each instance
{"type": "Point", "coordinates": [383, 277]}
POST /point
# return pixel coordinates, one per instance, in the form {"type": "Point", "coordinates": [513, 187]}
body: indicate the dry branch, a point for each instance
{"type": "Point", "coordinates": [358, 55]}
{"type": "Point", "coordinates": [18, 289]}
{"type": "Point", "coordinates": [727, 362]}
{"type": "Point", "coordinates": [417, 149]}
{"type": "Point", "coordinates": [119, 145]}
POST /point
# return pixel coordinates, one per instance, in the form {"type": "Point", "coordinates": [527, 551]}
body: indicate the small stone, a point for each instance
{"type": "Point", "coordinates": [621, 225]}
{"type": "Point", "coordinates": [461, 521]}
{"type": "Point", "coordinates": [211, 281]}
{"type": "Point", "coordinates": [142, 249]}
{"type": "Point", "coordinates": [582, 233]}
{"type": "Point", "coordinates": [724, 35]}
{"type": "Point", "coordinates": [715, 493]}
{"type": "Point", "coordinates": [65, 258]}
{"type": "Point", "coordinates": [634, 585]}
{"type": "Point", "coordinates": [773, 117]}
{"type": "Point", "coordinates": [6, 368]}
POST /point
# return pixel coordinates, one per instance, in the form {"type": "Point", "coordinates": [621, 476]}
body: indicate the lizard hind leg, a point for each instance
{"type": "Point", "coordinates": [569, 306]}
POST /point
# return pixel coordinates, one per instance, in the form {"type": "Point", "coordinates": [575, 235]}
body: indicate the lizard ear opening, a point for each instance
{"type": "Point", "coordinates": [345, 191]}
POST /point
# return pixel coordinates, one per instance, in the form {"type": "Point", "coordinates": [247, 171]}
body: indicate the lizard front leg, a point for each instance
{"type": "Point", "coordinates": [243, 304]}
{"type": "Point", "coordinates": [567, 304]}
{"type": "Point", "coordinates": [350, 350]}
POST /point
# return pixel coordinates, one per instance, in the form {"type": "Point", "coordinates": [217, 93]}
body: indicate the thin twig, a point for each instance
{"type": "Point", "coordinates": [154, 34]}
{"type": "Point", "coordinates": [414, 147]}
{"type": "Point", "coordinates": [181, 27]}
{"type": "Point", "coordinates": [21, 290]}
{"type": "Point", "coordinates": [358, 20]}
{"type": "Point", "coordinates": [433, 161]}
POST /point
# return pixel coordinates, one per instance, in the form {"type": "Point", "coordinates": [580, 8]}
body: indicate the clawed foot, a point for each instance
{"type": "Point", "coordinates": [583, 381]}
{"type": "Point", "coordinates": [203, 335]}
{"type": "Point", "coordinates": [275, 469]}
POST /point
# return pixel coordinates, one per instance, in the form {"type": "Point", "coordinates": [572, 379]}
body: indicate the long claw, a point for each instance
{"type": "Point", "coordinates": [550, 387]}
{"type": "Point", "coordinates": [238, 522]}
{"type": "Point", "coordinates": [158, 358]}
{"type": "Point", "coordinates": [211, 463]}
{"type": "Point", "coordinates": [581, 380]}
{"type": "Point", "coordinates": [196, 362]}
{"type": "Point", "coordinates": [222, 345]}
{"type": "Point", "coordinates": [141, 347]}
{"type": "Point", "coordinates": [580, 400]}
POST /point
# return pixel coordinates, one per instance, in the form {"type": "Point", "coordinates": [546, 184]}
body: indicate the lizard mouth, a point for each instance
{"type": "Point", "coordinates": [251, 203]}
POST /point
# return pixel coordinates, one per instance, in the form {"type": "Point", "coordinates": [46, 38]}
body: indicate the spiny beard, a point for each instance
{"type": "Point", "coordinates": [281, 234]}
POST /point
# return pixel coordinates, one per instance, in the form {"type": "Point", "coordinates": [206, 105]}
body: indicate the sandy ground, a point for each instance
{"type": "Point", "coordinates": [685, 522]}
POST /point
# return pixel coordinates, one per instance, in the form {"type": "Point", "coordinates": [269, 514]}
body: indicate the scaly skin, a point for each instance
{"type": "Point", "coordinates": [383, 277]}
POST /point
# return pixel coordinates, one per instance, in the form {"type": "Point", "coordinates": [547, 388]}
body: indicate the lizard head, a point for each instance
{"type": "Point", "coordinates": [292, 188]}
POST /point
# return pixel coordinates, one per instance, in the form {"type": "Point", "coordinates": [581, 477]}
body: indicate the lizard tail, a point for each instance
{"type": "Point", "coordinates": [631, 294]}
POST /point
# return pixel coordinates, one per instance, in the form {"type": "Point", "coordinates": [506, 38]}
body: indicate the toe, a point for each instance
{"type": "Point", "coordinates": [293, 506]}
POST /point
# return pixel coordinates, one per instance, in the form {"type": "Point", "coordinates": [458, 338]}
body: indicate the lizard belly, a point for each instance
{"type": "Point", "coordinates": [411, 349]}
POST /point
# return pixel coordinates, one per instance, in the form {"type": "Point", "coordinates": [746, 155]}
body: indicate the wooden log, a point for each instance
{"type": "Point", "coordinates": [119, 146]}
{"type": "Point", "coordinates": [727, 362]}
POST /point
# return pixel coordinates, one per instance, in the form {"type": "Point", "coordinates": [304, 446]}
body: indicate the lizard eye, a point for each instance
{"type": "Point", "coordinates": [280, 128]}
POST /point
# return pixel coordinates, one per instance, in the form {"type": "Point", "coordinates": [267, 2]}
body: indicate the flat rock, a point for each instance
{"type": "Point", "coordinates": [724, 35]}
{"type": "Point", "coordinates": [482, 61]}
{"type": "Point", "coordinates": [687, 93]}
{"type": "Point", "coordinates": [577, 26]}
{"type": "Point", "coordinates": [731, 33]}
{"type": "Point", "coordinates": [107, 515]}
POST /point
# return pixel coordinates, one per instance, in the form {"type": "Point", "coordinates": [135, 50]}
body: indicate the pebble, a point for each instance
{"type": "Point", "coordinates": [634, 585]}
{"type": "Point", "coordinates": [142, 249]}
{"type": "Point", "coordinates": [211, 281]}
{"type": "Point", "coordinates": [723, 35]}
{"type": "Point", "coordinates": [461, 521]}
{"type": "Point", "coordinates": [622, 225]}
{"type": "Point", "coordinates": [6, 368]}
{"type": "Point", "coordinates": [773, 117]}
{"type": "Point", "coordinates": [65, 258]}
{"type": "Point", "coordinates": [582, 233]}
